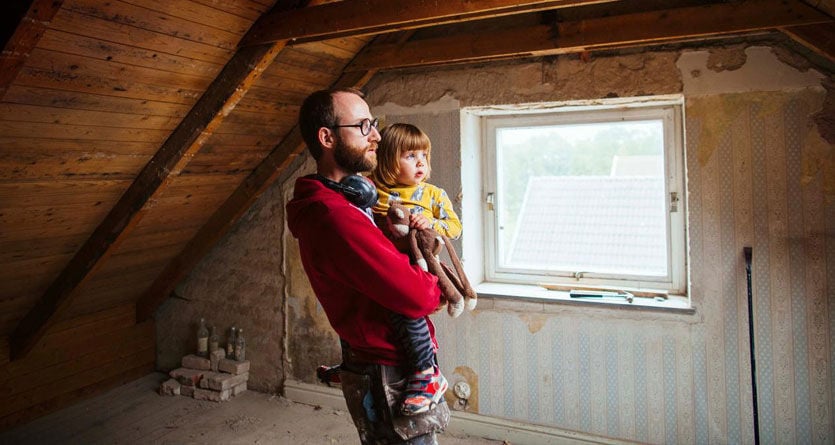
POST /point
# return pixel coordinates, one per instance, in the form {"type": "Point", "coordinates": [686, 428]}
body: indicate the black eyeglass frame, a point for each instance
{"type": "Point", "coordinates": [365, 123]}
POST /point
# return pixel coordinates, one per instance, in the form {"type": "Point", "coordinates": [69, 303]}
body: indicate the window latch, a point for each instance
{"type": "Point", "coordinates": [673, 202]}
{"type": "Point", "coordinates": [491, 200]}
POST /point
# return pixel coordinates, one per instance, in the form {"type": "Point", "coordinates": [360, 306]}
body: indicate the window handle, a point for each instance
{"type": "Point", "coordinates": [673, 202]}
{"type": "Point", "coordinates": [491, 200]}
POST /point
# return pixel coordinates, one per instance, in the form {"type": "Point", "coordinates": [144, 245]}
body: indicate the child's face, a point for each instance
{"type": "Point", "coordinates": [413, 167]}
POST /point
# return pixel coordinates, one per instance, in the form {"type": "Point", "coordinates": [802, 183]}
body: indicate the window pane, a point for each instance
{"type": "Point", "coordinates": [583, 198]}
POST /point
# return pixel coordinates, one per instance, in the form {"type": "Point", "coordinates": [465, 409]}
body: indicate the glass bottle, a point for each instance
{"type": "Point", "coordinates": [230, 343]}
{"type": "Point", "coordinates": [202, 339]}
{"type": "Point", "coordinates": [240, 346]}
{"type": "Point", "coordinates": [214, 340]}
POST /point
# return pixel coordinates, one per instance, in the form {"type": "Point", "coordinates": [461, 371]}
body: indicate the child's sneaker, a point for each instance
{"type": "Point", "coordinates": [423, 392]}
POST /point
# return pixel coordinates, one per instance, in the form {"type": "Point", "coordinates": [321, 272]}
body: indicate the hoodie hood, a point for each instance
{"type": "Point", "coordinates": [311, 200]}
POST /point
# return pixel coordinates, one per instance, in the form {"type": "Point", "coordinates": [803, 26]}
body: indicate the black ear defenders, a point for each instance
{"type": "Point", "coordinates": [358, 190]}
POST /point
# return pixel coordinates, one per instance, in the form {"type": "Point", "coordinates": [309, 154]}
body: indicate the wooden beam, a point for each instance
{"type": "Point", "coordinates": [600, 33]}
{"type": "Point", "coordinates": [219, 99]}
{"type": "Point", "coordinates": [265, 174]}
{"type": "Point", "coordinates": [26, 36]}
{"type": "Point", "coordinates": [364, 17]}
{"type": "Point", "coordinates": [818, 38]}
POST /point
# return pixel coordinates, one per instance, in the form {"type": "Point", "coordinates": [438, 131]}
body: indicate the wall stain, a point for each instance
{"type": "Point", "coordinates": [535, 322]}
{"type": "Point", "coordinates": [465, 374]}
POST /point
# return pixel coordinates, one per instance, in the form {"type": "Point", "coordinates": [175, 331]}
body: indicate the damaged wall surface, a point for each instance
{"type": "Point", "coordinates": [239, 283]}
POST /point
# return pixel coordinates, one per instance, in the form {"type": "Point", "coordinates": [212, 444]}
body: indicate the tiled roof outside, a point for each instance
{"type": "Point", "coordinates": [592, 223]}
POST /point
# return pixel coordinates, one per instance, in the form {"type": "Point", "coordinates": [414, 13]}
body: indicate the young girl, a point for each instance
{"type": "Point", "coordinates": [401, 174]}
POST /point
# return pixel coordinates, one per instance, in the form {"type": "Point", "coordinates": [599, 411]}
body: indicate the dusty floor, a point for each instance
{"type": "Point", "coordinates": [135, 414]}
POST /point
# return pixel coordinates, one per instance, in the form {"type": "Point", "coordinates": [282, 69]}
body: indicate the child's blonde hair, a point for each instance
{"type": "Point", "coordinates": [394, 140]}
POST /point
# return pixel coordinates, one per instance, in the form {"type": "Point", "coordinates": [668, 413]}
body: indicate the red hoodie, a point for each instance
{"type": "Point", "coordinates": [357, 274]}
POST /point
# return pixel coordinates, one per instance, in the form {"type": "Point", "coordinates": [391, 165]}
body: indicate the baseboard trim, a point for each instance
{"type": "Point", "coordinates": [462, 423]}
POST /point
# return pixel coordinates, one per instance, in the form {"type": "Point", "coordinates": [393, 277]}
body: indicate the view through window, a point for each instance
{"type": "Point", "coordinates": [591, 195]}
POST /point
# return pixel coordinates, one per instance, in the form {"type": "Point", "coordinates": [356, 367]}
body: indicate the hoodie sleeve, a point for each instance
{"type": "Point", "coordinates": [446, 220]}
{"type": "Point", "coordinates": [369, 263]}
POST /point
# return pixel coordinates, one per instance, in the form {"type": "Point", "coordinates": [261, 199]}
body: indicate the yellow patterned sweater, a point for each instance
{"type": "Point", "coordinates": [424, 198]}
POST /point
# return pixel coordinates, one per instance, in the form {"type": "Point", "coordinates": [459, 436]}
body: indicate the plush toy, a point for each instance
{"type": "Point", "coordinates": [425, 246]}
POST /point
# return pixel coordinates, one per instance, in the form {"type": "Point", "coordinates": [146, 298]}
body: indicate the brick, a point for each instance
{"type": "Point", "coordinates": [204, 383]}
{"type": "Point", "coordinates": [214, 396]}
{"type": "Point", "coordinates": [215, 358]}
{"type": "Point", "coordinates": [223, 381]}
{"type": "Point", "coordinates": [239, 388]}
{"type": "Point", "coordinates": [170, 387]}
{"type": "Point", "coordinates": [192, 361]}
{"type": "Point", "coordinates": [233, 367]}
{"type": "Point", "coordinates": [187, 391]}
{"type": "Point", "coordinates": [189, 377]}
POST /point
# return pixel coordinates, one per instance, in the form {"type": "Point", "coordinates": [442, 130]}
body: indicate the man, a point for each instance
{"type": "Point", "coordinates": [357, 274]}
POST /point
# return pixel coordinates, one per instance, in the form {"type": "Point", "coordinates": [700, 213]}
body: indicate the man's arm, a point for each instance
{"type": "Point", "coordinates": [372, 265]}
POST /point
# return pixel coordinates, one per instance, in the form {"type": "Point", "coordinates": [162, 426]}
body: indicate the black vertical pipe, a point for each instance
{"type": "Point", "coordinates": [748, 254]}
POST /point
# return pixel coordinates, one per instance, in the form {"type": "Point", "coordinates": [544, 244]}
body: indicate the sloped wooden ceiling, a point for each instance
{"type": "Point", "coordinates": [134, 133]}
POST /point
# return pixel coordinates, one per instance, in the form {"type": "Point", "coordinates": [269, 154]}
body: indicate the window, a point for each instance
{"type": "Point", "coordinates": [585, 195]}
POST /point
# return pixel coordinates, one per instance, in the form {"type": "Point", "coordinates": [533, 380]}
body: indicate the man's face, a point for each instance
{"type": "Point", "coordinates": [353, 151]}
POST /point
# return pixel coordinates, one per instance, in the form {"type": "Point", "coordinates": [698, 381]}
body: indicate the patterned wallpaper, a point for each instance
{"type": "Point", "coordinates": [756, 177]}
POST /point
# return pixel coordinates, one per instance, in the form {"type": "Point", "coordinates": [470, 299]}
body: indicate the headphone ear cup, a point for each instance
{"type": "Point", "coordinates": [360, 191]}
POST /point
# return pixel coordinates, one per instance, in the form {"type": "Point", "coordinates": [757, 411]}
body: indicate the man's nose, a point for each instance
{"type": "Point", "coordinates": [374, 135]}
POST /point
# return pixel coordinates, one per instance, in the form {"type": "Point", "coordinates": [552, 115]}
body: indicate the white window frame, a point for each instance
{"type": "Point", "coordinates": [479, 124]}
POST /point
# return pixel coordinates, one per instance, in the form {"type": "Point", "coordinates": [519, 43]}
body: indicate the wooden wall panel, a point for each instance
{"type": "Point", "coordinates": [50, 69]}
{"type": "Point", "coordinates": [112, 290]}
{"type": "Point", "coordinates": [242, 8]}
{"type": "Point", "coordinates": [232, 162]}
{"type": "Point", "coordinates": [75, 117]}
{"type": "Point", "coordinates": [85, 25]}
{"type": "Point", "coordinates": [93, 102]}
{"type": "Point", "coordinates": [96, 48]}
{"type": "Point", "coordinates": [165, 23]}
{"type": "Point", "coordinates": [77, 358]}
{"type": "Point", "coordinates": [197, 13]}
{"type": "Point", "coordinates": [37, 159]}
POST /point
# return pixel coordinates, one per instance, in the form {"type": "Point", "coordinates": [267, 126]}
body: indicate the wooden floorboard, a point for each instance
{"type": "Point", "coordinates": [135, 413]}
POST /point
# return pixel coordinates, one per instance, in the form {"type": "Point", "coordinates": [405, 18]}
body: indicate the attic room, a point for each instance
{"type": "Point", "coordinates": [148, 150]}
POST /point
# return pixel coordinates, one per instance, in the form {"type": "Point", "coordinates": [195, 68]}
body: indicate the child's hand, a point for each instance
{"type": "Point", "coordinates": [420, 222]}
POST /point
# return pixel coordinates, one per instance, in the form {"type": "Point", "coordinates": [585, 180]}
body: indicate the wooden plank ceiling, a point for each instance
{"type": "Point", "coordinates": [134, 133]}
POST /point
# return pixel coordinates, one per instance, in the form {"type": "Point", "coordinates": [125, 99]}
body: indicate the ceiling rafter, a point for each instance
{"type": "Point", "coordinates": [26, 36]}
{"type": "Point", "coordinates": [671, 25]}
{"type": "Point", "coordinates": [339, 19]}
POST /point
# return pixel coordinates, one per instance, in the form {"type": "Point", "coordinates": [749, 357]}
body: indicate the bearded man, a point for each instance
{"type": "Point", "coordinates": [357, 274]}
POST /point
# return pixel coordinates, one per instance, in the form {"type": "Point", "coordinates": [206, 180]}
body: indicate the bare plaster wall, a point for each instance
{"type": "Point", "coordinates": [240, 282]}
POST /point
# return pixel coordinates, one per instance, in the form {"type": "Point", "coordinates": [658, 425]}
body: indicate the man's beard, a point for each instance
{"type": "Point", "coordinates": [352, 158]}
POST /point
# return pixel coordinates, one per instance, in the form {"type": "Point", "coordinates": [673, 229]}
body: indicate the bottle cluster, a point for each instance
{"type": "Point", "coordinates": [208, 341]}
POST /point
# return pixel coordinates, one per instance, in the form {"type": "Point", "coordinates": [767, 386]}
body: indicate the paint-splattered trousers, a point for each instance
{"type": "Point", "coordinates": [373, 394]}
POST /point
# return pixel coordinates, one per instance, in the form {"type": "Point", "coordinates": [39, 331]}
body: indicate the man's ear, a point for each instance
{"type": "Point", "coordinates": [327, 138]}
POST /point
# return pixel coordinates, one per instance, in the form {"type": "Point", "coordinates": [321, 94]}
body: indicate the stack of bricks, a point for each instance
{"type": "Point", "coordinates": [215, 378]}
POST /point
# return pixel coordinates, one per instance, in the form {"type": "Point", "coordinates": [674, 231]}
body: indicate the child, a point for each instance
{"type": "Point", "coordinates": [401, 174]}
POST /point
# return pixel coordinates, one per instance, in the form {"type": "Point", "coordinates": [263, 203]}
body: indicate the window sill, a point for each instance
{"type": "Point", "coordinates": [537, 294]}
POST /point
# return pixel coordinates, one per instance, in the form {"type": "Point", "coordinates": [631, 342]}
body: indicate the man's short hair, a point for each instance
{"type": "Point", "coordinates": [317, 111]}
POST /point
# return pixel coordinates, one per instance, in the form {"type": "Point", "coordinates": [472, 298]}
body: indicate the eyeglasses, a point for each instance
{"type": "Point", "coordinates": [364, 125]}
